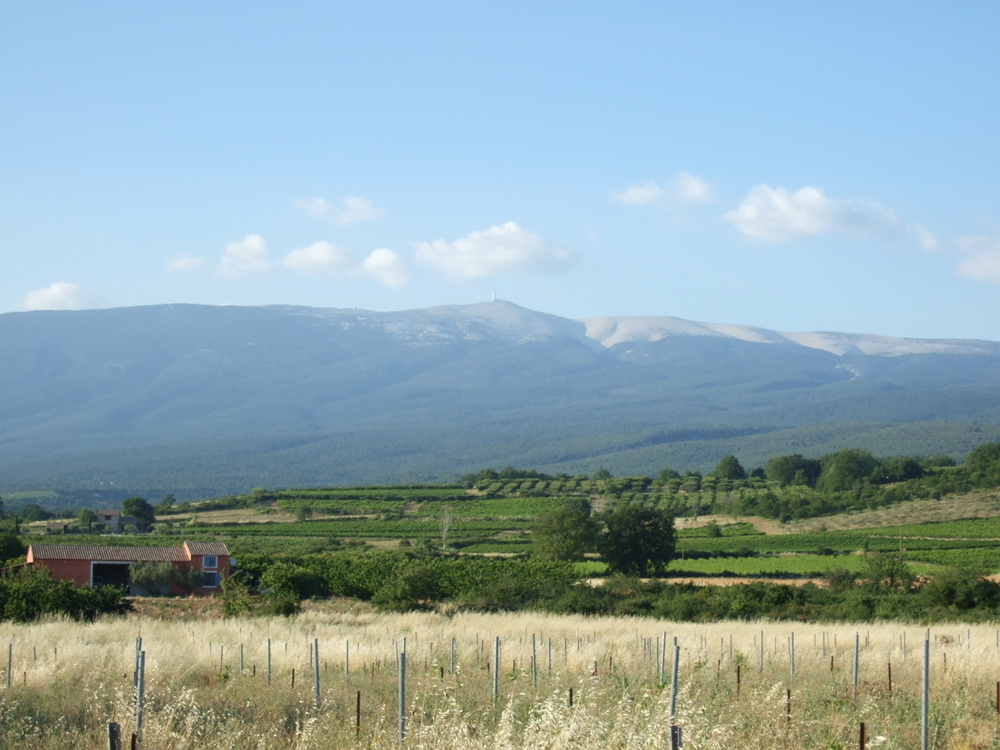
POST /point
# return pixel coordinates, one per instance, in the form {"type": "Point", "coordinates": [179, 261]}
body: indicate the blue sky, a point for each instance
{"type": "Point", "coordinates": [796, 166]}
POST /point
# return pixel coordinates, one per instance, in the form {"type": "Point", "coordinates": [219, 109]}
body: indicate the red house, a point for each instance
{"type": "Point", "coordinates": [95, 565]}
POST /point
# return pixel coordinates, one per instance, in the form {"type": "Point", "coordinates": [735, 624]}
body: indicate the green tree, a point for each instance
{"type": "Point", "coordinates": [637, 540]}
{"type": "Point", "coordinates": [729, 468]}
{"type": "Point", "coordinates": [566, 532]}
{"type": "Point", "coordinates": [86, 517]}
{"type": "Point", "coordinates": [901, 468]}
{"type": "Point", "coordinates": [188, 579]}
{"type": "Point", "coordinates": [141, 510]}
{"type": "Point", "coordinates": [154, 577]}
{"type": "Point", "coordinates": [794, 469]}
{"type": "Point", "coordinates": [846, 468]}
{"type": "Point", "coordinates": [11, 547]}
{"type": "Point", "coordinates": [34, 512]}
{"type": "Point", "coordinates": [885, 570]}
{"type": "Point", "coordinates": [985, 458]}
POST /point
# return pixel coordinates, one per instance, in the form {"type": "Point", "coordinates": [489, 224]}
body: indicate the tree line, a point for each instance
{"type": "Point", "coordinates": [785, 487]}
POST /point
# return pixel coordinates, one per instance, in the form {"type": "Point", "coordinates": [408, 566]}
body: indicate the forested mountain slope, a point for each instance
{"type": "Point", "coordinates": [217, 399]}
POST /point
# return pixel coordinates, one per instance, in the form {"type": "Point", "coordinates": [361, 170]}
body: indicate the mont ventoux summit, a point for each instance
{"type": "Point", "coordinates": [203, 400]}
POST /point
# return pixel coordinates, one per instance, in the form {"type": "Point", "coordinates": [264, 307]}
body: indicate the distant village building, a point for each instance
{"type": "Point", "coordinates": [95, 565]}
{"type": "Point", "coordinates": [113, 521]}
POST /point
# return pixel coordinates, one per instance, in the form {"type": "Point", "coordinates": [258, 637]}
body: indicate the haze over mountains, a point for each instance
{"type": "Point", "coordinates": [209, 400]}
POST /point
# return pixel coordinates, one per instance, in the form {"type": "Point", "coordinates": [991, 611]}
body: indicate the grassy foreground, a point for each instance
{"type": "Point", "coordinates": [69, 679]}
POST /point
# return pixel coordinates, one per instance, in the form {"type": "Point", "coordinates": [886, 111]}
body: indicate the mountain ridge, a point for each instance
{"type": "Point", "coordinates": [227, 398]}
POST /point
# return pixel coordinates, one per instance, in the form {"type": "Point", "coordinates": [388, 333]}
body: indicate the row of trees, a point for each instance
{"type": "Point", "coordinates": [836, 471]}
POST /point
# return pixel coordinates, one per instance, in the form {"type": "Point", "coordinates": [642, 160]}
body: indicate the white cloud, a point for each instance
{"type": "Point", "coordinates": [684, 188]}
{"type": "Point", "coordinates": [498, 250]}
{"type": "Point", "coordinates": [249, 255]}
{"type": "Point", "coordinates": [351, 210]}
{"type": "Point", "coordinates": [777, 215]}
{"type": "Point", "coordinates": [185, 263]}
{"type": "Point", "coordinates": [927, 239]}
{"type": "Point", "coordinates": [61, 296]}
{"type": "Point", "coordinates": [388, 267]}
{"type": "Point", "coordinates": [641, 195]}
{"type": "Point", "coordinates": [325, 258]}
{"type": "Point", "coordinates": [321, 258]}
{"type": "Point", "coordinates": [318, 208]}
{"type": "Point", "coordinates": [355, 209]}
{"type": "Point", "coordinates": [689, 188]}
{"type": "Point", "coordinates": [982, 258]}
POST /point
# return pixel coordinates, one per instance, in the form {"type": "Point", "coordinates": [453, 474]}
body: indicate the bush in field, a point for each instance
{"type": "Point", "coordinates": [416, 586]}
{"type": "Point", "coordinates": [29, 594]}
{"type": "Point", "coordinates": [961, 590]}
{"type": "Point", "coordinates": [238, 596]}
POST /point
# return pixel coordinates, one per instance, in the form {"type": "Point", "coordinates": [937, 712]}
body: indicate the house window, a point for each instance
{"type": "Point", "coordinates": [209, 579]}
{"type": "Point", "coordinates": [210, 561]}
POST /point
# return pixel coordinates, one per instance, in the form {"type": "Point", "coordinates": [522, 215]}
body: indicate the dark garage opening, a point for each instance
{"type": "Point", "coordinates": [110, 574]}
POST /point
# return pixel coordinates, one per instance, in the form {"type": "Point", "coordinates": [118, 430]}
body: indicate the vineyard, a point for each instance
{"type": "Point", "coordinates": [333, 678]}
{"type": "Point", "coordinates": [470, 521]}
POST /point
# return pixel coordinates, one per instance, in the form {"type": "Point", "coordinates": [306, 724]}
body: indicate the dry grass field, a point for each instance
{"type": "Point", "coordinates": [206, 683]}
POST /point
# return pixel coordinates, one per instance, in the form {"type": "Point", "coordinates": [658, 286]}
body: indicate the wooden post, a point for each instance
{"type": "Point", "coordinates": [534, 663]}
{"type": "Point", "coordinates": [357, 717]}
{"type": "Point", "coordinates": [890, 678]}
{"type": "Point", "coordinates": [861, 738]}
{"type": "Point", "coordinates": [737, 681]}
{"type": "Point", "coordinates": [788, 706]}
{"type": "Point", "coordinates": [571, 696]}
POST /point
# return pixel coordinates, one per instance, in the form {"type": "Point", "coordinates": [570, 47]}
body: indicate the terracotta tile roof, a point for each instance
{"type": "Point", "coordinates": [102, 553]}
{"type": "Point", "coordinates": [208, 548]}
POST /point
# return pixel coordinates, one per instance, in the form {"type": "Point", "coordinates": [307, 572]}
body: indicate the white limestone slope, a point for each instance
{"type": "Point", "coordinates": [611, 331]}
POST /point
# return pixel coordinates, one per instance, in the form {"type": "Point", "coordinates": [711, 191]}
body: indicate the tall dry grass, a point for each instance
{"type": "Point", "coordinates": [69, 680]}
